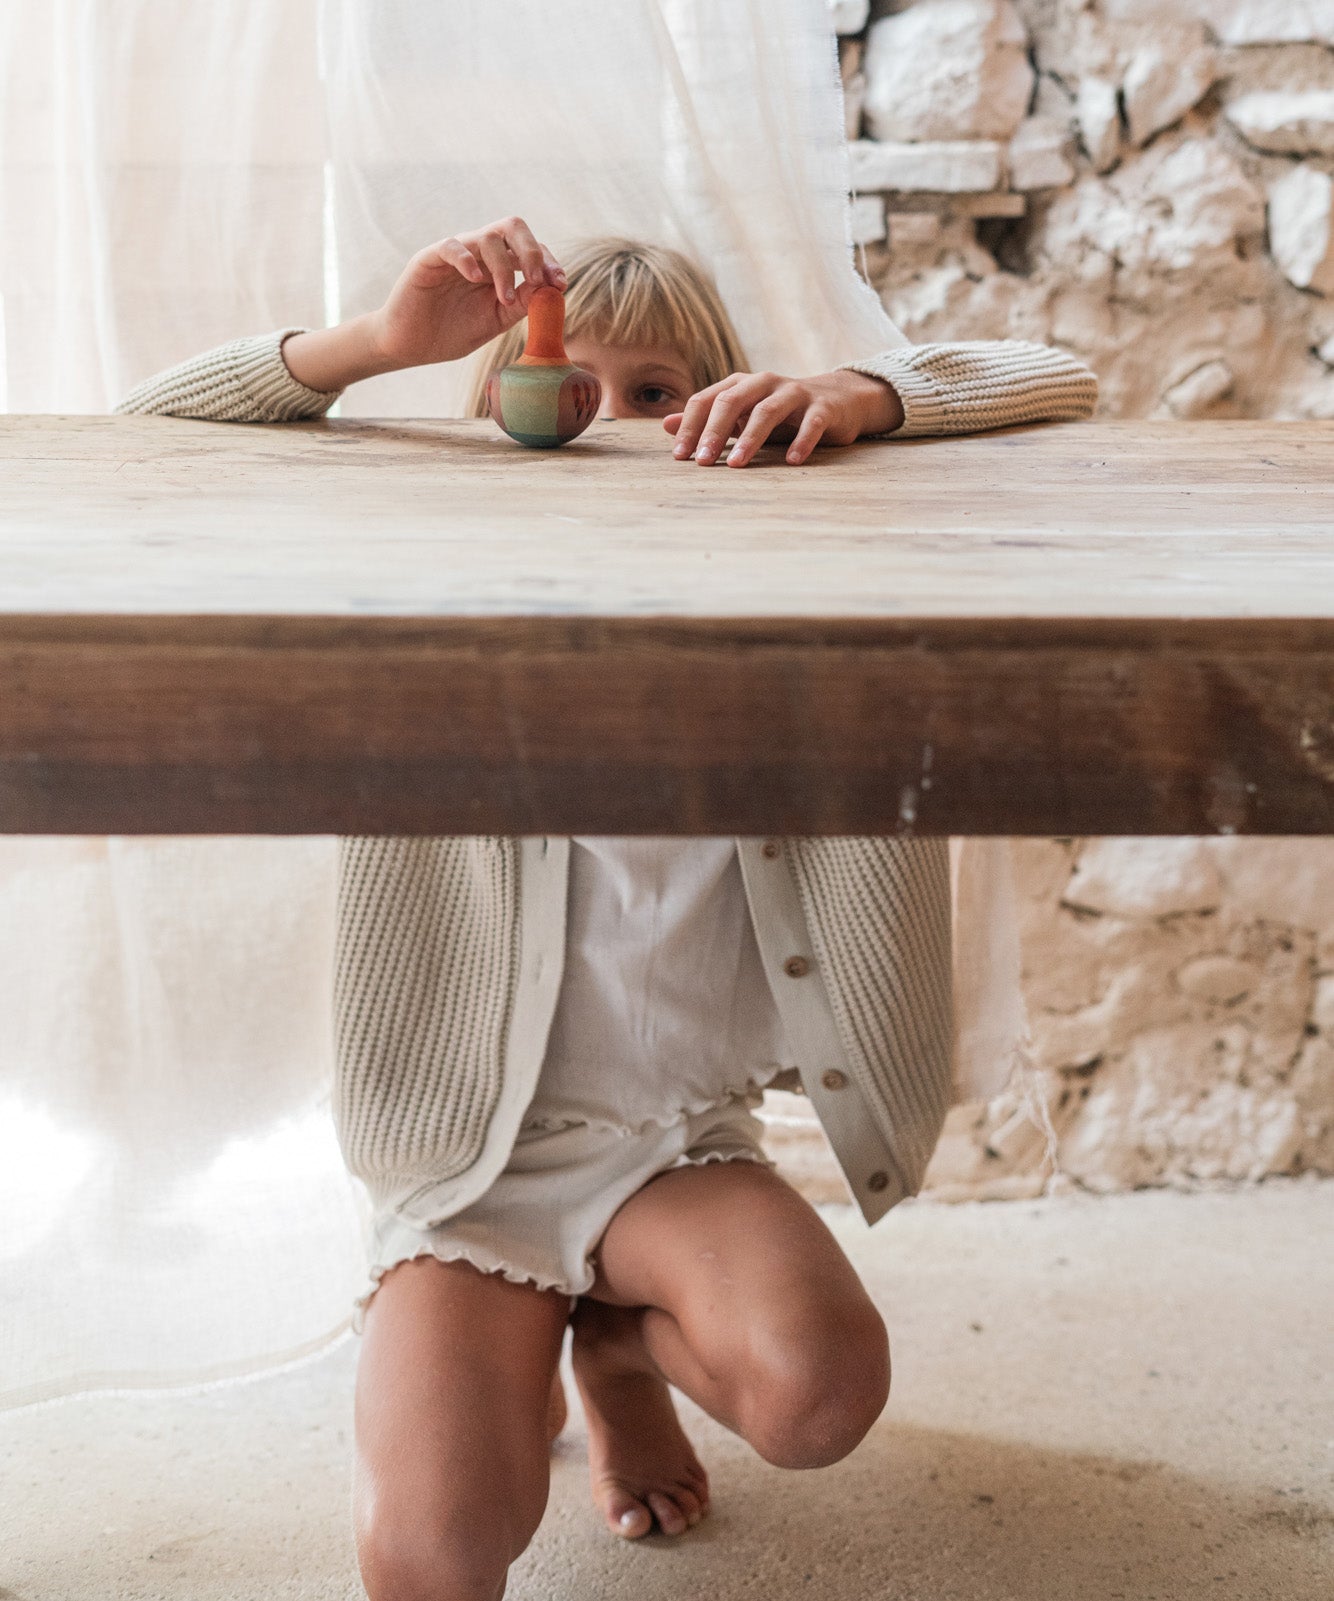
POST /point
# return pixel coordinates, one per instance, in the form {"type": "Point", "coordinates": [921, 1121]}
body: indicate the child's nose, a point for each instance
{"type": "Point", "coordinates": [616, 407]}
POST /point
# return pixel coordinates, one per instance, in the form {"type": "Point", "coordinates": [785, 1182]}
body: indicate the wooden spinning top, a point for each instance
{"type": "Point", "coordinates": [542, 399]}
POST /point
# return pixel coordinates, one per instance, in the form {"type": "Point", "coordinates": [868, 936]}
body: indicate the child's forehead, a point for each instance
{"type": "Point", "coordinates": [645, 357]}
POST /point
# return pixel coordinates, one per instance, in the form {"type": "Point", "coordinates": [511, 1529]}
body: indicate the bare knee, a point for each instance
{"type": "Point", "coordinates": [812, 1401]}
{"type": "Point", "coordinates": [407, 1565]}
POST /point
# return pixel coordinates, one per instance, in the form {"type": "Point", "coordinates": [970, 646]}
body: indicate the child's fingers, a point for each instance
{"type": "Point", "coordinates": [757, 395]}
{"type": "Point", "coordinates": [538, 264]}
{"type": "Point", "coordinates": [501, 264]}
{"type": "Point", "coordinates": [765, 417]}
{"type": "Point", "coordinates": [454, 253]}
{"type": "Point", "coordinates": [809, 435]}
{"type": "Point", "coordinates": [696, 414]}
{"type": "Point", "coordinates": [725, 415]}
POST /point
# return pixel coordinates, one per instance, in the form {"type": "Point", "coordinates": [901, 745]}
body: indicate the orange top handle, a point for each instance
{"type": "Point", "coordinates": [546, 326]}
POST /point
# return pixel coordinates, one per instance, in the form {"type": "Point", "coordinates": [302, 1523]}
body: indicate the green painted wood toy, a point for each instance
{"type": "Point", "coordinates": [543, 399]}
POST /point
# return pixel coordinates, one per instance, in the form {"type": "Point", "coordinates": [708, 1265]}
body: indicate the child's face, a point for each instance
{"type": "Point", "coordinates": [637, 380]}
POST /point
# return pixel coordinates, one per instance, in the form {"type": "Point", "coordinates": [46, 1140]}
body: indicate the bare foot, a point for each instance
{"type": "Point", "coordinates": [557, 1411]}
{"type": "Point", "coordinates": [640, 1463]}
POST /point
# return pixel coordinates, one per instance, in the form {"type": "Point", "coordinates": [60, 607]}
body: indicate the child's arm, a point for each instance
{"type": "Point", "coordinates": [450, 299]}
{"type": "Point", "coordinates": [920, 389]}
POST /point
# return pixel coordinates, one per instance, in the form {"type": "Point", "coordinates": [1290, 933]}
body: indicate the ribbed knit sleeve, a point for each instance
{"type": "Point", "coordinates": [966, 387]}
{"type": "Point", "coordinates": [244, 381]}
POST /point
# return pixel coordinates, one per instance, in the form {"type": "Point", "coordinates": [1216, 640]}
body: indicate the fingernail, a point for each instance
{"type": "Point", "coordinates": [628, 1519]}
{"type": "Point", "coordinates": [680, 451]}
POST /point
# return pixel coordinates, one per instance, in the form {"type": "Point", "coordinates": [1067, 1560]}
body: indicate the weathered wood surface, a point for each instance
{"type": "Point", "coordinates": [417, 627]}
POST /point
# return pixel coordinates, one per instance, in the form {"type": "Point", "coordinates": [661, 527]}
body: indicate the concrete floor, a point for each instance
{"type": "Point", "coordinates": [1127, 1397]}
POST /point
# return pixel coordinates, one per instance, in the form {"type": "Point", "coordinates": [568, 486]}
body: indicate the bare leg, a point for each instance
{"type": "Point", "coordinates": [454, 1413]}
{"type": "Point", "coordinates": [557, 1411]}
{"type": "Point", "coordinates": [723, 1281]}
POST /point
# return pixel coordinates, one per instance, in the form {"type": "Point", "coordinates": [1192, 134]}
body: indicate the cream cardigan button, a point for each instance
{"type": "Point", "coordinates": [770, 848]}
{"type": "Point", "coordinates": [833, 1079]}
{"type": "Point", "coordinates": [796, 967]}
{"type": "Point", "coordinates": [878, 1182]}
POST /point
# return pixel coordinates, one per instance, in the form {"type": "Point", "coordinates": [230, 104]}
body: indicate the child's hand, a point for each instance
{"type": "Point", "coordinates": [455, 295]}
{"type": "Point", "coordinates": [834, 408]}
{"type": "Point", "coordinates": [451, 298]}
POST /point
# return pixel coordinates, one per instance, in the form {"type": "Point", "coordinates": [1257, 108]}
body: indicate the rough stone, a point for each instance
{"type": "Point", "coordinates": [1247, 22]}
{"type": "Point", "coordinates": [1219, 980]}
{"type": "Point", "coordinates": [1301, 228]}
{"type": "Point", "coordinates": [1287, 124]}
{"type": "Point", "coordinates": [1040, 155]}
{"type": "Point", "coordinates": [1200, 391]}
{"type": "Point", "coordinates": [1053, 99]}
{"type": "Point", "coordinates": [948, 69]}
{"type": "Point", "coordinates": [1099, 118]}
{"type": "Point", "coordinates": [854, 98]}
{"type": "Point", "coordinates": [1322, 1008]}
{"type": "Point", "coordinates": [1004, 203]}
{"type": "Point", "coordinates": [849, 15]}
{"type": "Point", "coordinates": [913, 230]}
{"type": "Point", "coordinates": [868, 219]}
{"type": "Point", "coordinates": [1172, 207]}
{"type": "Point", "coordinates": [1286, 882]}
{"type": "Point", "coordinates": [1082, 319]}
{"type": "Point", "coordinates": [1311, 1085]}
{"type": "Point", "coordinates": [1167, 75]}
{"type": "Point", "coordinates": [943, 166]}
{"type": "Point", "coordinates": [1153, 877]}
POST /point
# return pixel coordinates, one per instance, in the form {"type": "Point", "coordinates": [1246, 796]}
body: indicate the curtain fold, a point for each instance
{"type": "Point", "coordinates": [173, 1207]}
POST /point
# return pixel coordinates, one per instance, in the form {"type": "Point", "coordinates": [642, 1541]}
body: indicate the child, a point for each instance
{"type": "Point", "coordinates": [550, 1051]}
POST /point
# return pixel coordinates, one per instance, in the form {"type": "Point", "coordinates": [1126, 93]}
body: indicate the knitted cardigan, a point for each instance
{"type": "Point", "coordinates": [450, 950]}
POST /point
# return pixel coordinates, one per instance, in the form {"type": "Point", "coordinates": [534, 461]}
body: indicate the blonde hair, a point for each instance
{"type": "Point", "coordinates": [622, 292]}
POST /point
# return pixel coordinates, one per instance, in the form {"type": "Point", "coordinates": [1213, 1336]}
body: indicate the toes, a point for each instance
{"type": "Point", "coordinates": [671, 1519]}
{"type": "Point", "coordinates": [627, 1517]}
{"type": "Point", "coordinates": [696, 1486]}
{"type": "Point", "coordinates": [688, 1501]}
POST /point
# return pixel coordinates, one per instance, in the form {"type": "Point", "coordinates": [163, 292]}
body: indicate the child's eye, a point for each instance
{"type": "Point", "coordinates": [655, 395]}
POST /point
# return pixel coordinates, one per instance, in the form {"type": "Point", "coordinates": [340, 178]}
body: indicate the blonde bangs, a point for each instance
{"type": "Point", "coordinates": [624, 293]}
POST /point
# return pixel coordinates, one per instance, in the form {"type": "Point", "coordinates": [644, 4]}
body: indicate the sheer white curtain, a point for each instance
{"type": "Point", "coordinates": [173, 1206]}
{"type": "Point", "coordinates": [714, 129]}
{"type": "Point", "coordinates": [172, 1203]}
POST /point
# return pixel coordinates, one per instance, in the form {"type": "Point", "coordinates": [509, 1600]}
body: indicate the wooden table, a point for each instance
{"type": "Point", "coordinates": [418, 627]}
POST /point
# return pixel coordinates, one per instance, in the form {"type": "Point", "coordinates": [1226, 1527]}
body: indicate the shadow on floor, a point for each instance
{"type": "Point", "coordinates": [920, 1514]}
{"type": "Point", "coordinates": [215, 1500]}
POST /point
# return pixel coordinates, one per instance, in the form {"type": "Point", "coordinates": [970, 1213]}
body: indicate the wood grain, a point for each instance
{"type": "Point", "coordinates": [421, 628]}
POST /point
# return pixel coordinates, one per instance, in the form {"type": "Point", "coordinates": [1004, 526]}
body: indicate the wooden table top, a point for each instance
{"type": "Point", "coordinates": [412, 519]}
{"type": "Point", "coordinates": [419, 627]}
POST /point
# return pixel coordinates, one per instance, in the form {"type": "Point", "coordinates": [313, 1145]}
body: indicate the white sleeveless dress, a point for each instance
{"type": "Point", "coordinates": [664, 1036]}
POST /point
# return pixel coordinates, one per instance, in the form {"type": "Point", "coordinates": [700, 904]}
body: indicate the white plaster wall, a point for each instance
{"type": "Point", "coordinates": [1148, 183]}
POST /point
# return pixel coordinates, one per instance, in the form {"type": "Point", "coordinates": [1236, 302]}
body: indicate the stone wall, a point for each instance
{"type": "Point", "coordinates": [1181, 996]}
{"type": "Point", "coordinates": [1149, 183]}
{"type": "Point", "coordinates": [1150, 186]}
